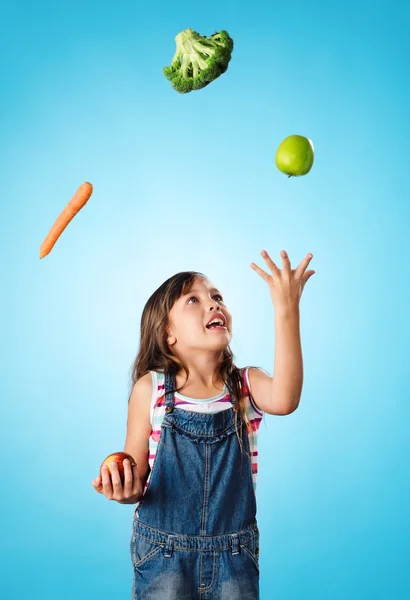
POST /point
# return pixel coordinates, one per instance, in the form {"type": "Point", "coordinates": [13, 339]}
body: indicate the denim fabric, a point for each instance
{"type": "Point", "coordinates": [196, 535]}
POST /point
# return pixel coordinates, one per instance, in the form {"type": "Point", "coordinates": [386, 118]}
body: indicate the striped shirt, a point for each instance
{"type": "Point", "coordinates": [207, 406]}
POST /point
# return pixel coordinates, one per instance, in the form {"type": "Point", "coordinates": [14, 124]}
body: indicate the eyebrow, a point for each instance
{"type": "Point", "coordinates": [193, 291]}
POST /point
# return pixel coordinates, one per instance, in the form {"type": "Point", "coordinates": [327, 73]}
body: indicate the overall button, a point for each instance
{"type": "Point", "coordinates": [168, 409]}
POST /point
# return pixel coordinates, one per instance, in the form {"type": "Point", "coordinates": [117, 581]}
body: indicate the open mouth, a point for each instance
{"type": "Point", "coordinates": [217, 324]}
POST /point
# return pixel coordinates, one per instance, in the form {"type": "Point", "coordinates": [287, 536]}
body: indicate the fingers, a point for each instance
{"type": "Point", "coordinates": [303, 266]}
{"type": "Point", "coordinates": [285, 260]}
{"type": "Point", "coordinates": [97, 484]}
{"type": "Point", "coordinates": [285, 280]}
{"type": "Point", "coordinates": [114, 486]}
{"type": "Point", "coordinates": [129, 477]}
{"type": "Point", "coordinates": [261, 272]}
{"type": "Point", "coordinates": [103, 485]}
{"type": "Point", "coordinates": [274, 269]}
{"type": "Point", "coordinates": [110, 485]}
{"type": "Point", "coordinates": [272, 266]}
{"type": "Point", "coordinates": [307, 275]}
{"type": "Point", "coordinates": [299, 271]}
{"type": "Point", "coordinates": [106, 483]}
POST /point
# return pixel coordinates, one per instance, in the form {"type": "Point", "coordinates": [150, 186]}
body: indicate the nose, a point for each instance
{"type": "Point", "coordinates": [214, 306]}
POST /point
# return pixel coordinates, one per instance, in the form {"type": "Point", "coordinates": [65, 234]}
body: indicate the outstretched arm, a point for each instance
{"type": "Point", "coordinates": [280, 395]}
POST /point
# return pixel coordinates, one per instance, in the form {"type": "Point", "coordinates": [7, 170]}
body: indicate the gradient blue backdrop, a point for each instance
{"type": "Point", "coordinates": [83, 98]}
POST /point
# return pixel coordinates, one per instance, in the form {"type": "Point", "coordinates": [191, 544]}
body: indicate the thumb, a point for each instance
{"type": "Point", "coordinates": [97, 483]}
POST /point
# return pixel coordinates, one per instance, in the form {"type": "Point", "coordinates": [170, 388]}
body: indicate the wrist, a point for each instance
{"type": "Point", "coordinates": [287, 311]}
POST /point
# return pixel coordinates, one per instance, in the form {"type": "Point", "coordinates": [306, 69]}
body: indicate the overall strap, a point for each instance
{"type": "Point", "coordinates": [169, 393]}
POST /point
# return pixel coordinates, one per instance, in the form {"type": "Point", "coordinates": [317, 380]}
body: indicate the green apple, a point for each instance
{"type": "Point", "coordinates": [295, 155]}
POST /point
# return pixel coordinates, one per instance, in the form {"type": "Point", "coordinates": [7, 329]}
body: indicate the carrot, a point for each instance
{"type": "Point", "coordinates": [76, 203]}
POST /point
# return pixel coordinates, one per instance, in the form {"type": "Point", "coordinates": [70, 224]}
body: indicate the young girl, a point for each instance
{"type": "Point", "coordinates": [192, 430]}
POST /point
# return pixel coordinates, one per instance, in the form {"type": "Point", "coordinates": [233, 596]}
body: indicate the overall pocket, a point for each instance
{"type": "Point", "coordinates": [142, 550]}
{"type": "Point", "coordinates": [251, 548]}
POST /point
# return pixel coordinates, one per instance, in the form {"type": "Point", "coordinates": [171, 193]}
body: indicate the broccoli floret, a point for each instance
{"type": "Point", "coordinates": [198, 60]}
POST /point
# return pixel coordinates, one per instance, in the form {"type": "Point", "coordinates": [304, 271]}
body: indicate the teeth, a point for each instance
{"type": "Point", "coordinates": [216, 322]}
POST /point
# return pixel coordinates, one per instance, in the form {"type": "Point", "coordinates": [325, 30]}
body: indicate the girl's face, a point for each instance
{"type": "Point", "coordinates": [188, 319]}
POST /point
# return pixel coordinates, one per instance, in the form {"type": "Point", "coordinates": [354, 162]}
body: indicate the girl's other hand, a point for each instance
{"type": "Point", "coordinates": [111, 487]}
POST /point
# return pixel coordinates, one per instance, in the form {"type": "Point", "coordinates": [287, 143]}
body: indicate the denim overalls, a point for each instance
{"type": "Point", "coordinates": [196, 535]}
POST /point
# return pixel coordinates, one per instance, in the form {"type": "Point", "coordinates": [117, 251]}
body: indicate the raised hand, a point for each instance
{"type": "Point", "coordinates": [286, 285]}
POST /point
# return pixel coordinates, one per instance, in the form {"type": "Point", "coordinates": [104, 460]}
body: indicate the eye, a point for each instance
{"type": "Point", "coordinates": [214, 296]}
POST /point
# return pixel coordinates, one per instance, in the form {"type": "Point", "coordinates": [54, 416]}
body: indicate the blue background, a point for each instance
{"type": "Point", "coordinates": [189, 182]}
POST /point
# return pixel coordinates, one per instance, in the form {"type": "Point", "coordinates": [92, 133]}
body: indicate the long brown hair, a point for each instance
{"type": "Point", "coordinates": [155, 355]}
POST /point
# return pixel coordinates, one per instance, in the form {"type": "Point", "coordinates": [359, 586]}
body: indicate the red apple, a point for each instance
{"type": "Point", "coordinates": [118, 457]}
